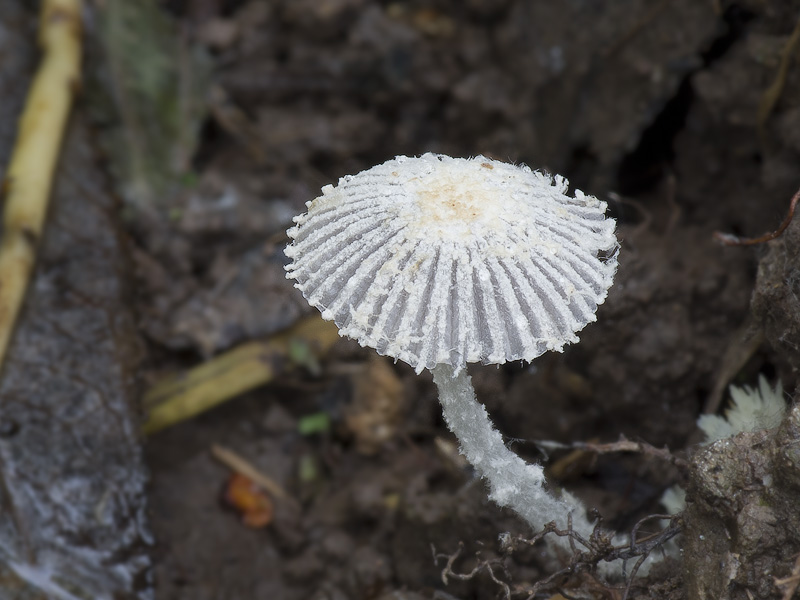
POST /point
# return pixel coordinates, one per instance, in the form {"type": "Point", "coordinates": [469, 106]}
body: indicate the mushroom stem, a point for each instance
{"type": "Point", "coordinates": [513, 482]}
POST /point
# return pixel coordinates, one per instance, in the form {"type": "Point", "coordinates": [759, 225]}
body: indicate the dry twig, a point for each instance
{"type": "Point", "coordinates": [622, 445]}
{"type": "Point", "coordinates": [728, 239]}
{"type": "Point", "coordinates": [483, 565]}
{"type": "Point", "coordinates": [238, 464]}
{"type": "Point", "coordinates": [29, 177]}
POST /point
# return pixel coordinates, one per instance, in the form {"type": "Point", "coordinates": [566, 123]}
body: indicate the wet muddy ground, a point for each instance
{"type": "Point", "coordinates": [205, 125]}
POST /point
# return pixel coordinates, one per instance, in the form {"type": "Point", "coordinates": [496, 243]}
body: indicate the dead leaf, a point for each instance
{"type": "Point", "coordinates": [249, 500]}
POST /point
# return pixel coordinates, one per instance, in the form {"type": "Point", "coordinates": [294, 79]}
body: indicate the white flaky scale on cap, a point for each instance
{"type": "Point", "coordinates": [439, 260]}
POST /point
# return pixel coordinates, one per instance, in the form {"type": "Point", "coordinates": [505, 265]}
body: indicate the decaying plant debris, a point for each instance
{"type": "Point", "coordinates": [681, 114]}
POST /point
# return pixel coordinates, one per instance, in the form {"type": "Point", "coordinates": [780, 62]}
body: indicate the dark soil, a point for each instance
{"type": "Point", "coordinates": [653, 106]}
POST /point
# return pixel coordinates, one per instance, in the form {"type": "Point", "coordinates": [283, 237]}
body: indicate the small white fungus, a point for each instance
{"type": "Point", "coordinates": [439, 260]}
{"type": "Point", "coordinates": [752, 409]}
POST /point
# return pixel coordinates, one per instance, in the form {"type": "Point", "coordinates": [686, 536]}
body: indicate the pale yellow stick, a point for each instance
{"type": "Point", "coordinates": [29, 176]}
{"type": "Point", "coordinates": [238, 464]}
{"type": "Point", "coordinates": [182, 396]}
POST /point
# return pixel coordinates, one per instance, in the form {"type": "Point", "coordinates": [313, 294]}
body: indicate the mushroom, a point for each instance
{"type": "Point", "coordinates": [440, 262]}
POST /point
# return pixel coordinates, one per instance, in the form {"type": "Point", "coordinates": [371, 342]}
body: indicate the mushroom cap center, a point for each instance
{"type": "Point", "coordinates": [455, 202]}
{"type": "Point", "coordinates": [445, 202]}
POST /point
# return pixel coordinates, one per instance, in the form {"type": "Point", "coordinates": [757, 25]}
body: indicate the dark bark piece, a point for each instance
{"type": "Point", "coordinates": [741, 525]}
{"type": "Point", "coordinates": [72, 520]}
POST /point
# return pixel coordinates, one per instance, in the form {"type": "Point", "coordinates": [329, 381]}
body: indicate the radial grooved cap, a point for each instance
{"type": "Point", "coordinates": [439, 260]}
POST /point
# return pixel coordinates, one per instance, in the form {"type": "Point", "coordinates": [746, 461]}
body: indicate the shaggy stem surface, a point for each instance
{"type": "Point", "coordinates": [512, 482]}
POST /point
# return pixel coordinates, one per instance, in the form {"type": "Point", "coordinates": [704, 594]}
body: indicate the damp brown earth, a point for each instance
{"type": "Point", "coordinates": [203, 126]}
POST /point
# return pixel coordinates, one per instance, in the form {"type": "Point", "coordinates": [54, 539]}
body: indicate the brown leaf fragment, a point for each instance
{"type": "Point", "coordinates": [249, 500]}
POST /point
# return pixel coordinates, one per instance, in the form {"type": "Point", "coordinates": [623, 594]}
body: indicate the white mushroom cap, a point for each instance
{"type": "Point", "coordinates": [439, 260]}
